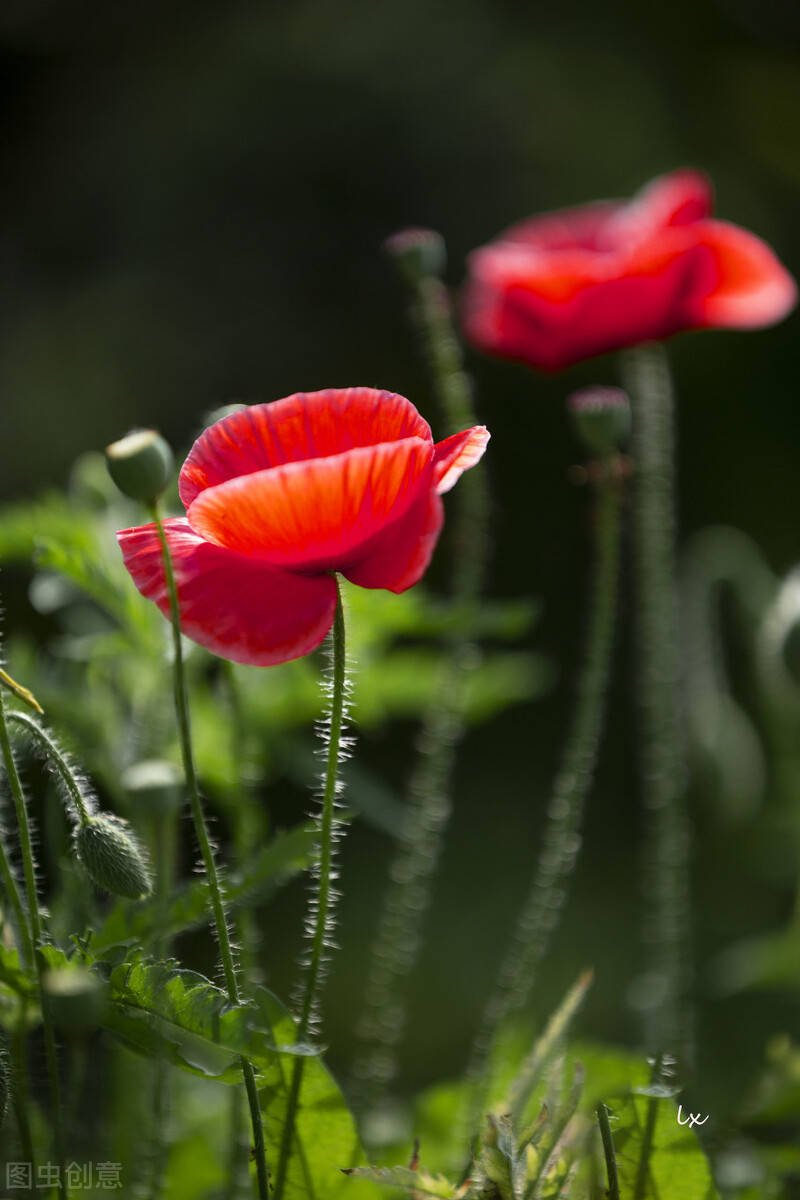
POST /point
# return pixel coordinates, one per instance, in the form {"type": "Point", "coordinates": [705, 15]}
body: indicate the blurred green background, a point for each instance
{"type": "Point", "coordinates": [192, 207]}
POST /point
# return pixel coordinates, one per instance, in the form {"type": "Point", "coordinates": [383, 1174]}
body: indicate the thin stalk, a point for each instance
{"type": "Point", "coordinates": [34, 917]}
{"type": "Point", "coordinates": [164, 839]}
{"type": "Point", "coordinates": [640, 1190]}
{"type": "Point", "coordinates": [324, 896]}
{"type": "Point", "coordinates": [18, 1049]}
{"type": "Point", "coordinates": [22, 933]}
{"type": "Point", "coordinates": [666, 882]}
{"type": "Point", "coordinates": [20, 1096]}
{"type": "Point", "coordinates": [429, 801]}
{"type": "Point", "coordinates": [59, 761]}
{"type": "Point", "coordinates": [246, 832]}
{"type": "Point", "coordinates": [561, 841]}
{"type": "Point", "coordinates": [608, 1152]}
{"type": "Point", "coordinates": [207, 853]}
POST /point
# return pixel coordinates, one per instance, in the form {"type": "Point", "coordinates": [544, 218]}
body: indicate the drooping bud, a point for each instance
{"type": "Point", "coordinates": [112, 857]}
{"type": "Point", "coordinates": [140, 464]}
{"type": "Point", "coordinates": [601, 418]}
{"type": "Point", "coordinates": [153, 785]}
{"type": "Point", "coordinates": [76, 999]}
{"type": "Point", "coordinates": [418, 253]}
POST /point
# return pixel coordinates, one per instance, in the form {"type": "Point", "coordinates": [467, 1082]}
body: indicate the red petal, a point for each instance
{"type": "Point", "coordinates": [457, 454]}
{"type": "Point", "coordinates": [675, 199]}
{"type": "Point", "coordinates": [316, 514]}
{"type": "Point", "coordinates": [304, 425]}
{"type": "Point", "coordinates": [400, 554]}
{"type": "Point", "coordinates": [236, 607]}
{"type": "Point", "coordinates": [583, 227]}
{"type": "Point", "coordinates": [751, 288]}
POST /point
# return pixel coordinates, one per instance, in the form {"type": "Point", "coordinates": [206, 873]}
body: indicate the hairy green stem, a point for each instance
{"type": "Point", "coordinates": [53, 752]}
{"type": "Point", "coordinates": [34, 917]}
{"type": "Point", "coordinates": [398, 936]}
{"type": "Point", "coordinates": [20, 1097]}
{"type": "Point", "coordinates": [207, 853]}
{"type": "Point", "coordinates": [561, 840]}
{"type": "Point", "coordinates": [22, 933]}
{"type": "Point", "coordinates": [246, 831]}
{"type": "Point", "coordinates": [662, 752]}
{"type": "Point", "coordinates": [323, 899]}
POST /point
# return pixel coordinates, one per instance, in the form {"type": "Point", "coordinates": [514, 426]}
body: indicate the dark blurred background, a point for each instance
{"type": "Point", "coordinates": [192, 207]}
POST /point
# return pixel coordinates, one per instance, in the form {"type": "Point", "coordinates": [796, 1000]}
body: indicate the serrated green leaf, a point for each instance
{"type": "Point", "coordinates": [163, 1011]}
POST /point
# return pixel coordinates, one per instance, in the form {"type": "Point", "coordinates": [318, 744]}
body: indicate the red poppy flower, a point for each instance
{"type": "Point", "coordinates": [564, 286]}
{"type": "Point", "coordinates": [279, 496]}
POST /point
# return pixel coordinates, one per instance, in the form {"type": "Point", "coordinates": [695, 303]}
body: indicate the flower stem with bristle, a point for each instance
{"type": "Point", "coordinates": [411, 873]}
{"type": "Point", "coordinates": [561, 839]}
{"type": "Point", "coordinates": [662, 754]}
{"type": "Point", "coordinates": [207, 853]}
{"type": "Point", "coordinates": [35, 926]}
{"type": "Point", "coordinates": [323, 897]}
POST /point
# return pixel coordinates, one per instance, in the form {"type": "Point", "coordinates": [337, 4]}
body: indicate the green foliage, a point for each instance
{"type": "Point", "coordinates": [283, 857]}
{"type": "Point", "coordinates": [656, 1156]}
{"type": "Point", "coordinates": [164, 1011]}
{"type": "Point", "coordinates": [531, 1145]}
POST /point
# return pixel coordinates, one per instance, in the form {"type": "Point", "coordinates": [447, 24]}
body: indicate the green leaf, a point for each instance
{"type": "Point", "coordinates": [285, 856]}
{"type": "Point", "coordinates": [163, 1011]}
{"type": "Point", "coordinates": [403, 1177]}
{"type": "Point", "coordinates": [546, 1047]}
{"type": "Point", "coordinates": [179, 1015]}
{"type": "Point", "coordinates": [326, 1140]}
{"type": "Point", "coordinates": [13, 975]}
{"type": "Point", "coordinates": [655, 1154]}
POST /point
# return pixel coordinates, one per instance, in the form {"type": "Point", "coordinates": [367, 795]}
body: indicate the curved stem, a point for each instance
{"type": "Point", "coordinates": [207, 853]}
{"type": "Point", "coordinates": [26, 849]}
{"type": "Point", "coordinates": [662, 758]}
{"type": "Point", "coordinates": [429, 803]}
{"type": "Point", "coordinates": [59, 760]}
{"type": "Point", "coordinates": [561, 841]}
{"type": "Point", "coordinates": [323, 899]}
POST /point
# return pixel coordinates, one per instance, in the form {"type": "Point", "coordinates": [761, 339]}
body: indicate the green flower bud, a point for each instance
{"type": "Point", "coordinates": [112, 857]}
{"type": "Point", "coordinates": [76, 999]}
{"type": "Point", "coordinates": [153, 785]}
{"type": "Point", "coordinates": [601, 418]}
{"type": "Point", "coordinates": [418, 252]}
{"type": "Point", "coordinates": [140, 464]}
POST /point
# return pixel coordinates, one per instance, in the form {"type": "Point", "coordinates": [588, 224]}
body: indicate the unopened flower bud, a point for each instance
{"type": "Point", "coordinates": [76, 999]}
{"type": "Point", "coordinates": [601, 418]}
{"type": "Point", "coordinates": [418, 252]}
{"type": "Point", "coordinates": [140, 464]}
{"type": "Point", "coordinates": [112, 857]}
{"type": "Point", "coordinates": [153, 785]}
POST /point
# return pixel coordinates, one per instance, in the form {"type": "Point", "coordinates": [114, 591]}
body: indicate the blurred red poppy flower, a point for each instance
{"type": "Point", "coordinates": [279, 496]}
{"type": "Point", "coordinates": [566, 285]}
